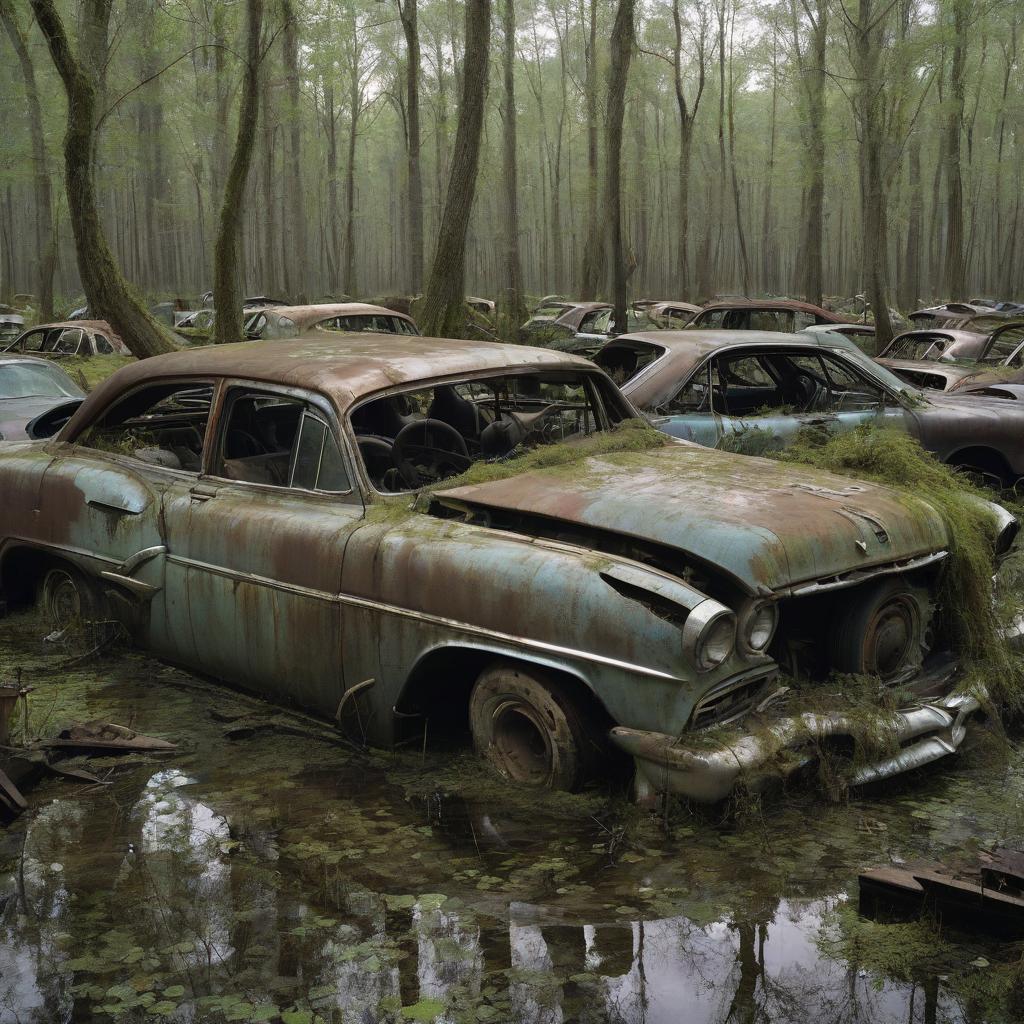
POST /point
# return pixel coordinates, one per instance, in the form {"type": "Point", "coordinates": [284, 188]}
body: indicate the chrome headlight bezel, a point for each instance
{"type": "Point", "coordinates": [709, 635]}
{"type": "Point", "coordinates": [751, 619]}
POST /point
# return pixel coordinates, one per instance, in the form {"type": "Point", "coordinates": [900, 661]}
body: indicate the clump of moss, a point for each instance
{"type": "Point", "coordinates": [628, 436]}
{"type": "Point", "coordinates": [92, 370]}
{"type": "Point", "coordinates": [971, 615]}
{"type": "Point", "coordinates": [751, 441]}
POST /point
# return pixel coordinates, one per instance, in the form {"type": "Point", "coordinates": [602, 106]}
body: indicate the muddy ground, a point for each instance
{"type": "Point", "coordinates": [274, 875]}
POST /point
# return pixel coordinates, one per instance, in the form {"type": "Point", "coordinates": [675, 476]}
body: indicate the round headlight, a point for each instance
{"type": "Point", "coordinates": [709, 634]}
{"type": "Point", "coordinates": [758, 627]}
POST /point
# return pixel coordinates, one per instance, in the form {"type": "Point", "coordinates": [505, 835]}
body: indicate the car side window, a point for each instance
{"type": "Point", "coordinates": [848, 390]}
{"type": "Point", "coordinates": [103, 346]}
{"type": "Point", "coordinates": [693, 397]}
{"type": "Point", "coordinates": [279, 441]}
{"type": "Point", "coordinates": [162, 425]}
{"type": "Point", "coordinates": [589, 323]}
{"type": "Point", "coordinates": [33, 342]}
{"type": "Point", "coordinates": [802, 320]}
{"type": "Point", "coordinates": [69, 341]}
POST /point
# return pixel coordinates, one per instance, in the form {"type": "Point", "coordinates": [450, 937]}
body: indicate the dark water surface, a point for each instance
{"type": "Point", "coordinates": [282, 877]}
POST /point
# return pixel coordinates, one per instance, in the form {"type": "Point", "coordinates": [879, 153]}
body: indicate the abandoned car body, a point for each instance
{"type": "Point", "coordinates": [231, 505]}
{"type": "Point", "coordinates": [70, 338]}
{"type": "Point", "coordinates": [785, 315]}
{"type": "Point", "coordinates": [710, 386]}
{"type": "Point", "coordinates": [31, 388]}
{"type": "Point", "coordinates": [279, 322]}
{"type": "Point", "coordinates": [950, 360]}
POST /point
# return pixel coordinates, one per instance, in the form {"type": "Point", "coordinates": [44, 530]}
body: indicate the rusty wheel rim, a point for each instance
{"type": "Point", "coordinates": [63, 600]}
{"type": "Point", "coordinates": [521, 744]}
{"type": "Point", "coordinates": [890, 638]}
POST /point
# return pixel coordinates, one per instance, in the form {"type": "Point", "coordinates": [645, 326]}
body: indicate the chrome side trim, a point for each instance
{"type": "Point", "coordinates": [851, 579]}
{"type": "Point", "coordinates": [129, 565]}
{"type": "Point", "coordinates": [432, 620]}
{"type": "Point", "coordinates": [144, 591]}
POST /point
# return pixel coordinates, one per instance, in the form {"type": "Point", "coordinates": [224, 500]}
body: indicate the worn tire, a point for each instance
{"type": "Point", "coordinates": [67, 598]}
{"type": "Point", "coordinates": [883, 632]}
{"type": "Point", "coordinates": [528, 729]}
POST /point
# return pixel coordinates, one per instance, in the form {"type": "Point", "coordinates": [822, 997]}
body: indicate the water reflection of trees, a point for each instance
{"type": "Point", "coordinates": [240, 918]}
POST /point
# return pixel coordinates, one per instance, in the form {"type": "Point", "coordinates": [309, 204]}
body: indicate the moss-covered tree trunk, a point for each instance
{"type": "Point", "coordinates": [46, 228]}
{"type": "Point", "coordinates": [444, 305]}
{"type": "Point", "coordinates": [106, 290]}
{"type": "Point", "coordinates": [227, 297]}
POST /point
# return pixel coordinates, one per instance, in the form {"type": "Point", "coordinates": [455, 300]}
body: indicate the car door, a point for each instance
{"type": "Point", "coordinates": [690, 413]}
{"type": "Point", "coordinates": [101, 495]}
{"type": "Point", "coordinates": [259, 541]}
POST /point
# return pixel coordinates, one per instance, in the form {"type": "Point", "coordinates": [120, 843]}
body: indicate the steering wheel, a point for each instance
{"type": "Point", "coordinates": [378, 457]}
{"type": "Point", "coordinates": [808, 390]}
{"type": "Point", "coordinates": [429, 450]}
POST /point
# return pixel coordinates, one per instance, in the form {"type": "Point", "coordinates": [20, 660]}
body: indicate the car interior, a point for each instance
{"type": "Point", "coordinates": [747, 384]}
{"type": "Point", "coordinates": [277, 440]}
{"type": "Point", "coordinates": [415, 438]}
{"type": "Point", "coordinates": [623, 360]}
{"type": "Point", "coordinates": [163, 425]}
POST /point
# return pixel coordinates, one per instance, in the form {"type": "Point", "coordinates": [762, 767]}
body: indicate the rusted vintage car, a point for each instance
{"type": "Point", "coordinates": [711, 386]}
{"type": "Point", "coordinates": [950, 360]}
{"type": "Point", "coordinates": [786, 315]}
{"type": "Point", "coordinates": [70, 338]}
{"type": "Point", "coordinates": [961, 316]}
{"type": "Point", "coordinates": [31, 388]}
{"type": "Point", "coordinates": [248, 510]}
{"type": "Point", "coordinates": [578, 327]}
{"type": "Point", "coordinates": [669, 314]}
{"type": "Point", "coordinates": [290, 321]}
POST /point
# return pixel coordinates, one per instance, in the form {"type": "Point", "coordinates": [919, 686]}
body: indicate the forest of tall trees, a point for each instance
{"type": "Point", "coordinates": [669, 148]}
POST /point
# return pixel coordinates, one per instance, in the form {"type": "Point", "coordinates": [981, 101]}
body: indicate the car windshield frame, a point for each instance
{"type": "Point", "coordinates": [611, 409]}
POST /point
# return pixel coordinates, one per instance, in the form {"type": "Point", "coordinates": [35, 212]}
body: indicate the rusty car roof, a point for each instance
{"type": "Point", "coordinates": [346, 367]}
{"type": "Point", "coordinates": [792, 304]}
{"type": "Point", "coordinates": [961, 340]}
{"type": "Point", "coordinates": [312, 312]}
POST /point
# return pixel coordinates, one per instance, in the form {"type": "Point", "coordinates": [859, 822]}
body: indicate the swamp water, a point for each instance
{"type": "Point", "coordinates": [283, 877]}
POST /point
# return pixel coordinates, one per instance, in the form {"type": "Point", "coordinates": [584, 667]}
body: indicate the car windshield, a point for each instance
{"type": "Point", "coordinates": [429, 433]}
{"type": "Point", "coordinates": [34, 380]}
{"type": "Point", "coordinates": [881, 373]}
{"type": "Point", "coordinates": [367, 323]}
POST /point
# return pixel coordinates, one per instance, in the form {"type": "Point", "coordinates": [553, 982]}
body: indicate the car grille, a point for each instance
{"type": "Point", "coordinates": [730, 701]}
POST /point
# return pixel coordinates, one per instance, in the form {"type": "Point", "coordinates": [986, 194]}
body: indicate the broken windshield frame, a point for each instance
{"type": "Point", "coordinates": [435, 430]}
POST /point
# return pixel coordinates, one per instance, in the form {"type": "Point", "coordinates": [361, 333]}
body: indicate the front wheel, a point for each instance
{"type": "Point", "coordinates": [68, 599]}
{"type": "Point", "coordinates": [527, 728]}
{"type": "Point", "coordinates": [882, 631]}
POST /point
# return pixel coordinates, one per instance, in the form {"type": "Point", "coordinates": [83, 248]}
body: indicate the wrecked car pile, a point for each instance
{"type": "Point", "coordinates": [491, 538]}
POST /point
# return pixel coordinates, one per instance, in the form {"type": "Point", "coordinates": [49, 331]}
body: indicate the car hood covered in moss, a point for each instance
{"type": "Point", "coordinates": [768, 525]}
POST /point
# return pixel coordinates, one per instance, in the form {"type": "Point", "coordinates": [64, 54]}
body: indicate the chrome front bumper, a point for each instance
{"type": "Point", "coordinates": [706, 774]}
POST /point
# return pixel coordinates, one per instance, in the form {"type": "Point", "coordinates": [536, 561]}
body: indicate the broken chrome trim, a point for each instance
{"type": "Point", "coordinates": [851, 579]}
{"type": "Point", "coordinates": [707, 774]}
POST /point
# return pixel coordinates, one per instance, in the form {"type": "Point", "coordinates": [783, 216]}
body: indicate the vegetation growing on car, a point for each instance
{"type": "Point", "coordinates": [976, 622]}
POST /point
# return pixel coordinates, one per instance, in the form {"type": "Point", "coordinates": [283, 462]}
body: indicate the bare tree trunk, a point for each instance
{"type": "Point", "coordinates": [955, 270]}
{"type": "Point", "coordinates": [868, 34]}
{"type": "Point", "coordinates": [105, 288]}
{"type": "Point", "coordinates": [593, 251]}
{"type": "Point", "coordinates": [687, 117]}
{"type": "Point", "coordinates": [46, 227]}
{"type": "Point", "coordinates": [623, 42]}
{"type": "Point", "coordinates": [407, 10]}
{"type": "Point", "coordinates": [227, 298]}
{"type": "Point", "coordinates": [355, 103]}
{"type": "Point", "coordinates": [911, 291]}
{"type": "Point", "coordinates": [297, 276]}
{"type": "Point", "coordinates": [443, 309]}
{"type": "Point", "coordinates": [511, 297]}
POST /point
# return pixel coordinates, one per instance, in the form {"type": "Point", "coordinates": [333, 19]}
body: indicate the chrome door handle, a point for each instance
{"type": "Point", "coordinates": [202, 492]}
